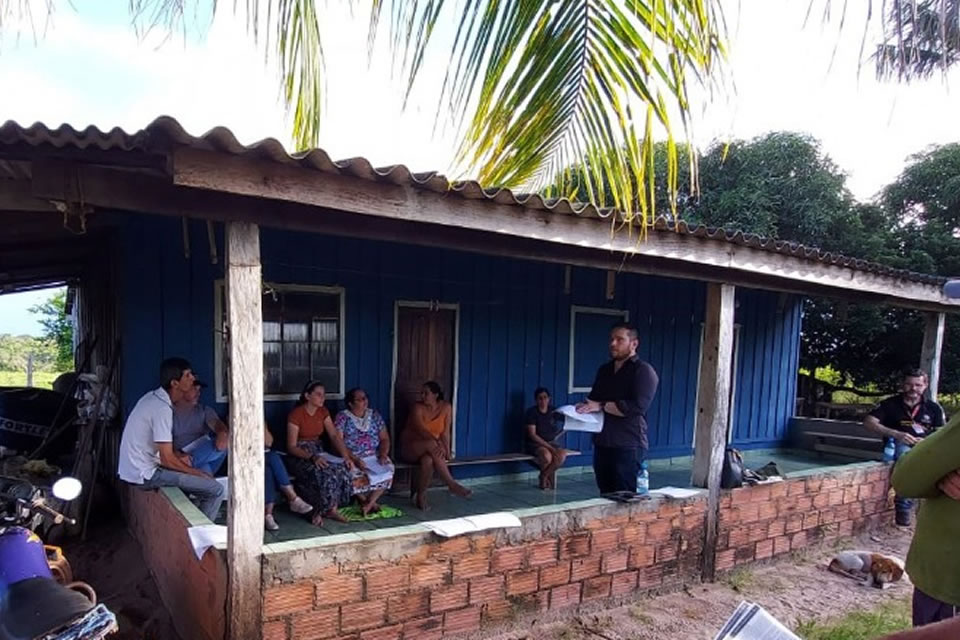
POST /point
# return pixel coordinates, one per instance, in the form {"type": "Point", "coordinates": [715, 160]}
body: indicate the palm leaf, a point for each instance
{"type": "Point", "coordinates": [920, 36]}
{"type": "Point", "coordinates": [286, 29]}
{"type": "Point", "coordinates": [565, 94]}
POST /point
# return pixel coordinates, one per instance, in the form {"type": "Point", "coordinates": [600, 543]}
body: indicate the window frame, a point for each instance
{"type": "Point", "coordinates": [574, 310]}
{"type": "Point", "coordinates": [219, 321]}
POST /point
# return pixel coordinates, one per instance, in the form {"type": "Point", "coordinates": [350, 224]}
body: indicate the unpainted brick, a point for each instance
{"type": "Point", "coordinates": [461, 620]}
{"type": "Point", "coordinates": [454, 596]}
{"type": "Point", "coordinates": [316, 624]}
{"type": "Point", "coordinates": [576, 545]}
{"type": "Point", "coordinates": [522, 582]}
{"type": "Point", "coordinates": [471, 565]}
{"type": "Point", "coordinates": [275, 630]}
{"type": "Point", "coordinates": [623, 583]}
{"type": "Point", "coordinates": [393, 632]}
{"type": "Point", "coordinates": [424, 628]}
{"type": "Point", "coordinates": [594, 588]}
{"type": "Point", "coordinates": [640, 556]}
{"type": "Point", "coordinates": [361, 616]}
{"type": "Point", "coordinates": [587, 567]}
{"type": "Point", "coordinates": [387, 581]}
{"type": "Point", "coordinates": [604, 540]}
{"type": "Point", "coordinates": [408, 606]}
{"type": "Point", "coordinates": [339, 589]}
{"type": "Point", "coordinates": [430, 574]}
{"type": "Point", "coordinates": [565, 596]}
{"type": "Point", "coordinates": [506, 559]}
{"type": "Point", "coordinates": [486, 589]}
{"type": "Point", "coordinates": [764, 549]}
{"type": "Point", "coordinates": [542, 553]}
{"type": "Point", "coordinates": [291, 598]}
{"type": "Point", "coordinates": [614, 561]}
{"type": "Point", "coordinates": [555, 575]}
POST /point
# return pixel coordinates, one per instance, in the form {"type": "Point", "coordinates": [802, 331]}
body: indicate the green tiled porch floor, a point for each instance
{"type": "Point", "coordinates": [520, 492]}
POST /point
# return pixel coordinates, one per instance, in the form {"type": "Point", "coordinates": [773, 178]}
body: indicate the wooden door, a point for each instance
{"type": "Point", "coordinates": [426, 350]}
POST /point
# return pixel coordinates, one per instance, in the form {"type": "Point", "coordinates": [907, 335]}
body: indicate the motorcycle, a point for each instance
{"type": "Point", "coordinates": [38, 598]}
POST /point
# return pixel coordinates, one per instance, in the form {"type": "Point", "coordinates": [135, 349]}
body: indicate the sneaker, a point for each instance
{"type": "Point", "coordinates": [299, 505]}
{"type": "Point", "coordinates": [269, 523]}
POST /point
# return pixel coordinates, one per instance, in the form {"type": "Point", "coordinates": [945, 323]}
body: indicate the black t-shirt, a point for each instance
{"type": "Point", "coordinates": [632, 388]}
{"type": "Point", "coordinates": [548, 424]}
{"type": "Point", "coordinates": [919, 421]}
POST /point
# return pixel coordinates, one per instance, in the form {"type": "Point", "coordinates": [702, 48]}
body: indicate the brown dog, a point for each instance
{"type": "Point", "coordinates": [873, 569]}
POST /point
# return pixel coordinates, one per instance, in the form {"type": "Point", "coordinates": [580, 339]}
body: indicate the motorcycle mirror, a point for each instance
{"type": "Point", "coordinates": [67, 488]}
{"type": "Point", "coordinates": [952, 289]}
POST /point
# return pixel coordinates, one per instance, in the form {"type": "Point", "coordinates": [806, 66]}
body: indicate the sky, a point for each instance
{"type": "Point", "coordinates": [87, 66]}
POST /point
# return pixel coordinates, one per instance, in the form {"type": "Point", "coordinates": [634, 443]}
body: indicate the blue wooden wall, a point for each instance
{"type": "Point", "coordinates": [514, 329]}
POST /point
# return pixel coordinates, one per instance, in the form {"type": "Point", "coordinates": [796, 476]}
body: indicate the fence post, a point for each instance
{"type": "Point", "coordinates": [30, 370]}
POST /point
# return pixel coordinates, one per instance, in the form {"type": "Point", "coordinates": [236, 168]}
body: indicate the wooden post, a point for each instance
{"type": "Point", "coordinates": [29, 370]}
{"type": "Point", "coordinates": [713, 409]}
{"type": "Point", "coordinates": [246, 499]}
{"type": "Point", "coordinates": [932, 346]}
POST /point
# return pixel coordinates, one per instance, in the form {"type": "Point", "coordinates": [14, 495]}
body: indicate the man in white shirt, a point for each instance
{"type": "Point", "coordinates": [147, 458]}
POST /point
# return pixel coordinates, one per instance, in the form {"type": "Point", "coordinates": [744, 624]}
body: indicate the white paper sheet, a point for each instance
{"type": "Point", "coordinates": [675, 492]}
{"type": "Point", "coordinates": [573, 421]}
{"type": "Point", "coordinates": [752, 622]}
{"type": "Point", "coordinates": [225, 483]}
{"type": "Point", "coordinates": [377, 472]}
{"type": "Point", "coordinates": [469, 524]}
{"type": "Point", "coordinates": [204, 536]}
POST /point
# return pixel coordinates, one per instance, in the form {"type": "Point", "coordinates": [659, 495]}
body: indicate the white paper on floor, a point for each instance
{"type": "Point", "coordinates": [204, 536]}
{"type": "Point", "coordinates": [675, 492]}
{"type": "Point", "coordinates": [469, 524]}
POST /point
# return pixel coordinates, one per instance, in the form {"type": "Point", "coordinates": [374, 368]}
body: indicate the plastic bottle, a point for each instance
{"type": "Point", "coordinates": [643, 479]}
{"type": "Point", "coordinates": [889, 450]}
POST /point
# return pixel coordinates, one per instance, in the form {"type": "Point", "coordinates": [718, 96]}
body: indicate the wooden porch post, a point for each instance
{"type": "Point", "coordinates": [932, 345]}
{"type": "Point", "coordinates": [713, 409]}
{"type": "Point", "coordinates": [245, 512]}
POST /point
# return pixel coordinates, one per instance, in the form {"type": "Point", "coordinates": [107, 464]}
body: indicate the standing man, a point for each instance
{"type": "Point", "coordinates": [907, 418]}
{"type": "Point", "coordinates": [147, 458]}
{"type": "Point", "coordinates": [199, 432]}
{"type": "Point", "coordinates": [623, 391]}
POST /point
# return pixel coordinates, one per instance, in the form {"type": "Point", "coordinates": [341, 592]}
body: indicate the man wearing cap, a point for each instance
{"type": "Point", "coordinates": [198, 432]}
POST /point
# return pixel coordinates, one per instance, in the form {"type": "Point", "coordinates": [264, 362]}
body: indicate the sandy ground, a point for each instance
{"type": "Point", "coordinates": [795, 589]}
{"type": "Point", "coordinates": [110, 561]}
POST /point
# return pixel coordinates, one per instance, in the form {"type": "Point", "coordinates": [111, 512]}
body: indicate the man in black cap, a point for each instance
{"type": "Point", "coordinates": [198, 432]}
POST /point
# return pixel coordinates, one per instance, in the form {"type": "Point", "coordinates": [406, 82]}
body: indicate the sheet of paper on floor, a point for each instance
{"type": "Point", "coordinates": [573, 421]}
{"type": "Point", "coordinates": [204, 536]}
{"type": "Point", "coordinates": [677, 493]}
{"type": "Point", "coordinates": [468, 524]}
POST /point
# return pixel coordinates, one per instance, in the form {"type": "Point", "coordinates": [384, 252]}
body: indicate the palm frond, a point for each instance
{"type": "Point", "coordinates": [286, 29]}
{"type": "Point", "coordinates": [920, 36]}
{"type": "Point", "coordinates": [566, 93]}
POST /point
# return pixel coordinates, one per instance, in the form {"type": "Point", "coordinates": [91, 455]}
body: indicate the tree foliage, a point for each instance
{"type": "Point", "coordinates": [57, 327]}
{"type": "Point", "coordinates": [16, 350]}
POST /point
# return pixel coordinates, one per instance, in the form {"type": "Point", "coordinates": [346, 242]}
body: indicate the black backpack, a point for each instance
{"type": "Point", "coordinates": [731, 476]}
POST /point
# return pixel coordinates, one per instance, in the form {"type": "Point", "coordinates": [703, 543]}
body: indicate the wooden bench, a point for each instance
{"type": "Point", "coordinates": [405, 467]}
{"type": "Point", "coordinates": [821, 445]}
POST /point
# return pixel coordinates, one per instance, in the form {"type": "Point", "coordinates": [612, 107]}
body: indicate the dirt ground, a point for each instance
{"type": "Point", "coordinates": [110, 561]}
{"type": "Point", "coordinates": [795, 589]}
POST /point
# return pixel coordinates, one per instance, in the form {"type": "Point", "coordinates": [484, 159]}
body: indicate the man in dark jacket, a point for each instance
{"type": "Point", "coordinates": [623, 391]}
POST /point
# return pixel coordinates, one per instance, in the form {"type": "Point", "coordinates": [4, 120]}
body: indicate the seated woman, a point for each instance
{"type": "Point", "coordinates": [544, 431]}
{"type": "Point", "coordinates": [275, 475]}
{"type": "Point", "coordinates": [425, 441]}
{"type": "Point", "coordinates": [324, 484]}
{"type": "Point", "coordinates": [365, 435]}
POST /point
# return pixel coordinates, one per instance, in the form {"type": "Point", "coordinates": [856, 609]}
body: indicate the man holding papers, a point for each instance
{"type": "Point", "coordinates": [622, 391]}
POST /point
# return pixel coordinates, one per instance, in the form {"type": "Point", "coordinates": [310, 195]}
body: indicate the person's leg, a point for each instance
{"type": "Point", "coordinates": [418, 448]}
{"type": "Point", "coordinates": [625, 467]}
{"type": "Point", "coordinates": [929, 610]}
{"type": "Point", "coordinates": [903, 507]}
{"type": "Point", "coordinates": [206, 457]}
{"type": "Point", "coordinates": [600, 469]}
{"type": "Point", "coordinates": [556, 462]}
{"type": "Point", "coordinates": [543, 458]}
{"type": "Point", "coordinates": [424, 478]}
{"type": "Point", "coordinates": [370, 505]}
{"type": "Point", "coordinates": [207, 491]}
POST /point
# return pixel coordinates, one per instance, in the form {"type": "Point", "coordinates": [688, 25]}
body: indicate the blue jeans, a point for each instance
{"type": "Point", "coordinates": [274, 475]}
{"type": "Point", "coordinates": [902, 505]}
{"type": "Point", "coordinates": [207, 457]}
{"type": "Point", "coordinates": [207, 492]}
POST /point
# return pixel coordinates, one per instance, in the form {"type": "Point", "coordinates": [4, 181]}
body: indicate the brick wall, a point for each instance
{"type": "Point", "coordinates": [760, 522]}
{"type": "Point", "coordinates": [406, 583]}
{"type": "Point", "coordinates": [193, 591]}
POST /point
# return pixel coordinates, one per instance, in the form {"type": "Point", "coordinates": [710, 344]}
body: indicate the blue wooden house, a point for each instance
{"type": "Point", "coordinates": [267, 269]}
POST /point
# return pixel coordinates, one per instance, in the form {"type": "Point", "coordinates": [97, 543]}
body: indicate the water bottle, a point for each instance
{"type": "Point", "coordinates": [889, 450]}
{"type": "Point", "coordinates": [643, 479]}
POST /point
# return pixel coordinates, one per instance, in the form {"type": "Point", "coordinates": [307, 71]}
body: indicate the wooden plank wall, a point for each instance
{"type": "Point", "coordinates": [514, 328]}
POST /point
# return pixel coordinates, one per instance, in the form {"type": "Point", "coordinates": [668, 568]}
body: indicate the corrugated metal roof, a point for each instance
{"type": "Point", "coordinates": [165, 134]}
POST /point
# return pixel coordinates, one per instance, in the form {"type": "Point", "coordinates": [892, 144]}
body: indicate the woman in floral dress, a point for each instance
{"type": "Point", "coordinates": [365, 435]}
{"type": "Point", "coordinates": [324, 484]}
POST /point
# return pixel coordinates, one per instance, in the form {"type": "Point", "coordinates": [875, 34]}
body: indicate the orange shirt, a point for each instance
{"type": "Point", "coordinates": [311, 426]}
{"type": "Point", "coordinates": [434, 427]}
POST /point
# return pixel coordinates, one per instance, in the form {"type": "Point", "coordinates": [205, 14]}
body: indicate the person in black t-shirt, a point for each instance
{"type": "Point", "coordinates": [623, 391]}
{"type": "Point", "coordinates": [907, 418]}
{"type": "Point", "coordinates": [544, 430]}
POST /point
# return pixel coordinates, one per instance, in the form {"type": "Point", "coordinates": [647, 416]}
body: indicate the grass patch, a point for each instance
{"type": "Point", "coordinates": [41, 379]}
{"type": "Point", "coordinates": [739, 579]}
{"type": "Point", "coordinates": [859, 625]}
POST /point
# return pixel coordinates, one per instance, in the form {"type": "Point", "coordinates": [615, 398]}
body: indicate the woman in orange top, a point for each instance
{"type": "Point", "coordinates": [324, 484]}
{"type": "Point", "coordinates": [425, 441]}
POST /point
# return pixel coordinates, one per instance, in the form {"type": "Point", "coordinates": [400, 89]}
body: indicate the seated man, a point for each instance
{"type": "Point", "coordinates": [147, 458]}
{"type": "Point", "coordinates": [907, 418]}
{"type": "Point", "coordinates": [544, 430]}
{"type": "Point", "coordinates": [199, 432]}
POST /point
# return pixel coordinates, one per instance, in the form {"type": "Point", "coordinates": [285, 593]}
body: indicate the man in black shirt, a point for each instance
{"type": "Point", "coordinates": [544, 430]}
{"type": "Point", "coordinates": [623, 390]}
{"type": "Point", "coordinates": [907, 418]}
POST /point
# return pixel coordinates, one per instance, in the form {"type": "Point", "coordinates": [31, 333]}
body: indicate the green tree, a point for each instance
{"type": "Point", "coordinates": [57, 327]}
{"type": "Point", "coordinates": [15, 350]}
